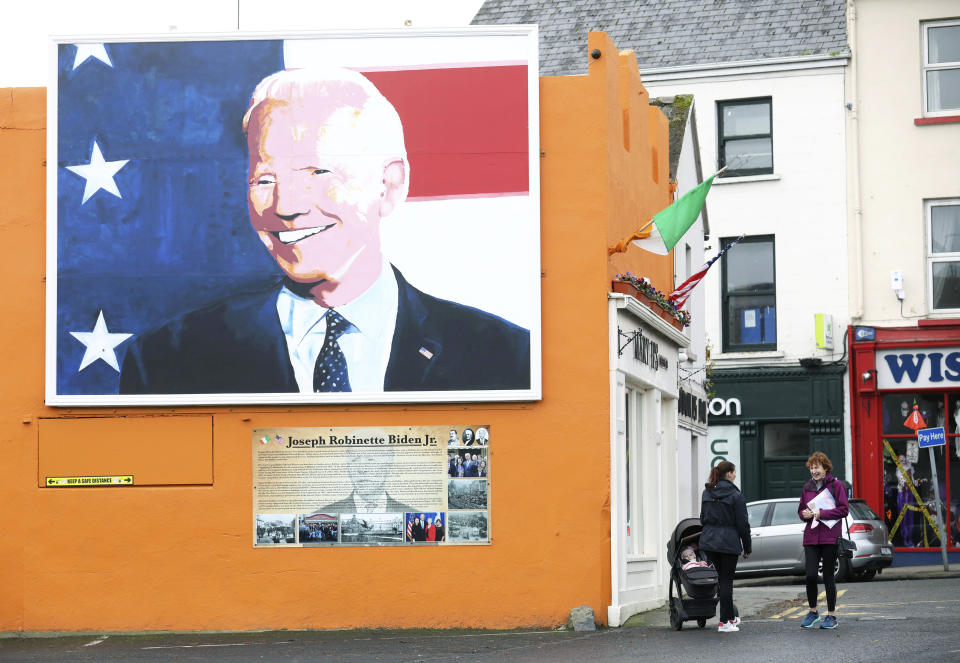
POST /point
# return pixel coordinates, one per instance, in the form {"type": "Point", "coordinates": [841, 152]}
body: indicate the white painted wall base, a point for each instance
{"type": "Point", "coordinates": [618, 614]}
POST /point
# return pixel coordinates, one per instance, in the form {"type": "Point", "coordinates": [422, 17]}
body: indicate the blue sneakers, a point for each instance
{"type": "Point", "coordinates": [811, 620]}
{"type": "Point", "coordinates": [829, 622]}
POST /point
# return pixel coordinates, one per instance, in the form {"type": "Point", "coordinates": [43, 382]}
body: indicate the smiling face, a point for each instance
{"type": "Point", "coordinates": [817, 471]}
{"type": "Point", "coordinates": [318, 188]}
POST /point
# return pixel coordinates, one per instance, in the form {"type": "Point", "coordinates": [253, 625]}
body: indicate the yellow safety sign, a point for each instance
{"type": "Point", "coordinates": [73, 482]}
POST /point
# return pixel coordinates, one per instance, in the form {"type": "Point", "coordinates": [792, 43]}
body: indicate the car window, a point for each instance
{"type": "Point", "coordinates": [861, 511]}
{"type": "Point", "coordinates": [755, 514]}
{"type": "Point", "coordinates": [785, 513]}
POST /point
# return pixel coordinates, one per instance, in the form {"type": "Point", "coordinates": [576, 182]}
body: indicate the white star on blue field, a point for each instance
{"type": "Point", "coordinates": [98, 173]}
{"type": "Point", "coordinates": [153, 132]}
{"type": "Point", "coordinates": [86, 51]}
{"type": "Point", "coordinates": [100, 344]}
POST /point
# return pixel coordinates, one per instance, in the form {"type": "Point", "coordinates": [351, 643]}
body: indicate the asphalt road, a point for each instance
{"type": "Point", "coordinates": [879, 621]}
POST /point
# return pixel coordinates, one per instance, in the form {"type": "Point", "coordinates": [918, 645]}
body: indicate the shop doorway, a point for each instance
{"type": "Point", "coordinates": [786, 447]}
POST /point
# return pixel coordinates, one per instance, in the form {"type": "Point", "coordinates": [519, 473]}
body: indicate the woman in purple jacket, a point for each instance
{"type": "Point", "coordinates": [820, 541]}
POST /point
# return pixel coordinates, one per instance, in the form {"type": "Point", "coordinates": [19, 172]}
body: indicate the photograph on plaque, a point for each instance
{"type": "Point", "coordinates": [318, 528]}
{"type": "Point", "coordinates": [273, 529]}
{"type": "Point", "coordinates": [467, 527]}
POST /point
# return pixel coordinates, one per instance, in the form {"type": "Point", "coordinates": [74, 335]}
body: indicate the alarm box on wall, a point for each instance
{"type": "Point", "coordinates": [823, 323]}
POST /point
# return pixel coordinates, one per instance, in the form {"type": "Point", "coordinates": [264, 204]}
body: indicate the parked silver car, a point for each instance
{"type": "Point", "coordinates": [777, 537]}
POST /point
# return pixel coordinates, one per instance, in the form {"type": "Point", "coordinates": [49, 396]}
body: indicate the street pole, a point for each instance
{"type": "Point", "coordinates": [943, 532]}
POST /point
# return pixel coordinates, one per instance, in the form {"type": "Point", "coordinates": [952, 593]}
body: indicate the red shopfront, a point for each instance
{"type": "Point", "coordinates": [891, 370]}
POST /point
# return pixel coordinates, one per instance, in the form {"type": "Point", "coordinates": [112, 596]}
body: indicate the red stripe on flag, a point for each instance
{"type": "Point", "coordinates": [466, 128]}
{"type": "Point", "coordinates": [680, 295]}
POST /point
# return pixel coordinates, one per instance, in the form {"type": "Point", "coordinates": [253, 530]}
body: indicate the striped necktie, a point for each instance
{"type": "Point", "coordinates": [330, 371]}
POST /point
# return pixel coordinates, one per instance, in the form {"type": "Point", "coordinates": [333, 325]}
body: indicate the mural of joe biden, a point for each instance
{"type": "Point", "coordinates": [327, 162]}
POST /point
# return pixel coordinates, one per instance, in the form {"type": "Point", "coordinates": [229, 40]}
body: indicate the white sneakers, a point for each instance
{"type": "Point", "coordinates": [729, 627]}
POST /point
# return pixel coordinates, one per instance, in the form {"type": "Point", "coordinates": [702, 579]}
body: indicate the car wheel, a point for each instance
{"type": "Point", "coordinates": [840, 570]}
{"type": "Point", "coordinates": [842, 573]}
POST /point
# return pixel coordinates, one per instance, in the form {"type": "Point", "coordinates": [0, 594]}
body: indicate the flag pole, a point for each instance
{"type": "Point", "coordinates": [624, 243]}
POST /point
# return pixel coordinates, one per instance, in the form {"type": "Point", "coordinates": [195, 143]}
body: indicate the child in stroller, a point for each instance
{"type": "Point", "coordinates": [694, 587]}
{"type": "Point", "coordinates": [689, 557]}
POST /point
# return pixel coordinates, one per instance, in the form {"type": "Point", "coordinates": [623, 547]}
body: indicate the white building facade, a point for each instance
{"type": "Point", "coordinates": [644, 351]}
{"type": "Point", "coordinates": [904, 214]}
{"type": "Point", "coordinates": [780, 127]}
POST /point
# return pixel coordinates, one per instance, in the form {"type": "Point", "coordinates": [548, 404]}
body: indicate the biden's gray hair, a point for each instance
{"type": "Point", "coordinates": [296, 85]}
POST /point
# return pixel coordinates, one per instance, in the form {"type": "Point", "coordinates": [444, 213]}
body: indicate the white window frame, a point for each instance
{"type": "Point", "coordinates": [927, 66]}
{"type": "Point", "coordinates": [932, 257]}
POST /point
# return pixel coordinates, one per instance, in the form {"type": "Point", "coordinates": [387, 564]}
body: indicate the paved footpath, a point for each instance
{"type": "Point", "coordinates": [913, 617]}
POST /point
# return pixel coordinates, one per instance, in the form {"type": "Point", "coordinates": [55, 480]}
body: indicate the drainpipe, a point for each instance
{"type": "Point", "coordinates": [853, 107]}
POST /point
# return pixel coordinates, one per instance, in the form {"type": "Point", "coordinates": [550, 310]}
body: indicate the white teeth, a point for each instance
{"type": "Point", "coordinates": [291, 236]}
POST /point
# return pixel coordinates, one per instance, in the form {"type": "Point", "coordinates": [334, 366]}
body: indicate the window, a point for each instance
{"type": "Point", "coordinates": [755, 513]}
{"type": "Point", "coordinates": [860, 511]}
{"type": "Point", "coordinates": [785, 513]}
{"type": "Point", "coordinates": [906, 500]}
{"type": "Point", "coordinates": [633, 497]}
{"type": "Point", "coordinates": [749, 292]}
{"type": "Point", "coordinates": [943, 253]}
{"type": "Point", "coordinates": [941, 67]}
{"type": "Point", "coordinates": [788, 438]}
{"type": "Point", "coordinates": [745, 133]}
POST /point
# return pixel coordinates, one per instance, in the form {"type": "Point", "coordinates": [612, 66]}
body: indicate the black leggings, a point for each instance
{"type": "Point", "coordinates": [726, 565]}
{"type": "Point", "coordinates": [814, 554]}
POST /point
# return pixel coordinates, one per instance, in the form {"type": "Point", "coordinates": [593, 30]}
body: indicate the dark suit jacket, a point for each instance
{"type": "Point", "coordinates": [348, 505]}
{"type": "Point", "coordinates": [237, 346]}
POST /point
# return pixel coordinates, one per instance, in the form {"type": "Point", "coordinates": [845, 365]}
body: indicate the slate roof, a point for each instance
{"type": "Point", "coordinates": [667, 33]}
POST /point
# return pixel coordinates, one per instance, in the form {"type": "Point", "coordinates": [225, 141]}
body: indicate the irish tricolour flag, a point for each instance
{"type": "Point", "coordinates": [670, 224]}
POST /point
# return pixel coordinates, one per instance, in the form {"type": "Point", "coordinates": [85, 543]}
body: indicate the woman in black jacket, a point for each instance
{"type": "Point", "coordinates": [726, 533]}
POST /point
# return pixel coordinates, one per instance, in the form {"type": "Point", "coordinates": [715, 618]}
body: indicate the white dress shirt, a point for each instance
{"type": "Point", "coordinates": [365, 346]}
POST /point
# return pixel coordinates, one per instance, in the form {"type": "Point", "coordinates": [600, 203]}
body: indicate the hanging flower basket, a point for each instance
{"type": "Point", "coordinates": [655, 300]}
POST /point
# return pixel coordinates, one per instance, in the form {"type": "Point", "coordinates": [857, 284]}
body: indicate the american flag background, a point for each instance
{"type": "Point", "coordinates": [149, 249]}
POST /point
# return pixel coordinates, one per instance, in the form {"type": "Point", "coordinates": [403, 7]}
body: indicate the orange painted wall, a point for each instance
{"type": "Point", "coordinates": [177, 555]}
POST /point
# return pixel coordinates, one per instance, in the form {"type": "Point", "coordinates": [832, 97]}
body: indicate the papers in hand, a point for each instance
{"type": "Point", "coordinates": [823, 500]}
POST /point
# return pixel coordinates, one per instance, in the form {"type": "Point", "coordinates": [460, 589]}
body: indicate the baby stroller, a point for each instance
{"type": "Point", "coordinates": [697, 587]}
